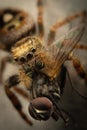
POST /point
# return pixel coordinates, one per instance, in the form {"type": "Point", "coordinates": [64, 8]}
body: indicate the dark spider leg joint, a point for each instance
{"type": "Point", "coordinates": [11, 82]}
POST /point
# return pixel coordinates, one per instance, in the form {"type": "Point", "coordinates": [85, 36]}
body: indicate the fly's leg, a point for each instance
{"type": "Point", "coordinates": [62, 79]}
{"type": "Point", "coordinates": [57, 25]}
{"type": "Point", "coordinates": [40, 18]}
{"type": "Point", "coordinates": [78, 67]}
{"type": "Point", "coordinates": [69, 118]}
{"type": "Point", "coordinates": [12, 82]}
{"type": "Point", "coordinates": [58, 111]}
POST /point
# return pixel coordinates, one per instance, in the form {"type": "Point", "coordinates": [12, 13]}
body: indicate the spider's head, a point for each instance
{"type": "Point", "coordinates": [26, 49]}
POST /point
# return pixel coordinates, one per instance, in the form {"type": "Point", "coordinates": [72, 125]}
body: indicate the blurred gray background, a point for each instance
{"type": "Point", "coordinates": [70, 101]}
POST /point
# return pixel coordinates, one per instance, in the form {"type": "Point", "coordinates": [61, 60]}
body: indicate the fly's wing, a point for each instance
{"type": "Point", "coordinates": [64, 46]}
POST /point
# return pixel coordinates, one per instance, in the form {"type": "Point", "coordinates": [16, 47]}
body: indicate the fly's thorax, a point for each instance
{"type": "Point", "coordinates": [27, 49]}
{"type": "Point", "coordinates": [43, 86]}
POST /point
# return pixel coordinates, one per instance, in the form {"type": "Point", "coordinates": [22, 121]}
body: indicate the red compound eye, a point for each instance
{"type": "Point", "coordinates": [40, 108]}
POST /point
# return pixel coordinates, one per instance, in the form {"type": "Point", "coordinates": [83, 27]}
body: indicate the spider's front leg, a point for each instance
{"type": "Point", "coordinates": [2, 68]}
{"type": "Point", "coordinates": [3, 65]}
{"type": "Point", "coordinates": [12, 82]}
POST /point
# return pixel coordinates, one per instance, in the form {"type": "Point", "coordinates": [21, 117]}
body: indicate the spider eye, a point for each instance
{"type": "Point", "coordinates": [22, 59]}
{"type": "Point", "coordinates": [29, 56]}
{"type": "Point", "coordinates": [16, 59]}
{"type": "Point", "coordinates": [33, 50]}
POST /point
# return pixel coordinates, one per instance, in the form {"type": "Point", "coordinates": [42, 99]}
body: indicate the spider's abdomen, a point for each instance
{"type": "Point", "coordinates": [14, 25]}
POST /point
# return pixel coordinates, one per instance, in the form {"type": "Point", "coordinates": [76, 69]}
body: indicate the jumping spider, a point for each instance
{"type": "Point", "coordinates": [41, 65]}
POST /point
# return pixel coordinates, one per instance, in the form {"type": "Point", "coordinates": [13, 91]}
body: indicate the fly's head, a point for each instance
{"type": "Point", "coordinates": [27, 49]}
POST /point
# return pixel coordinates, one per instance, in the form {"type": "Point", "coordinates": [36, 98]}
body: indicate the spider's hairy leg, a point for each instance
{"type": "Point", "coordinates": [2, 47]}
{"type": "Point", "coordinates": [2, 68]}
{"type": "Point", "coordinates": [3, 65]}
{"type": "Point", "coordinates": [21, 92]}
{"type": "Point", "coordinates": [78, 67]}
{"type": "Point", "coordinates": [40, 18]}
{"type": "Point", "coordinates": [58, 24]}
{"type": "Point", "coordinates": [12, 82]}
{"type": "Point", "coordinates": [81, 46]}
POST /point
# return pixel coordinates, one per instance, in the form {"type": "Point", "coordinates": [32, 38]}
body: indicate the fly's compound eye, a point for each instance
{"type": "Point", "coordinates": [29, 56]}
{"type": "Point", "coordinates": [40, 108]}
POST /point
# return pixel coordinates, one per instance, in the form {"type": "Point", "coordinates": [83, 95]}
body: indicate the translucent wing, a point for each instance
{"type": "Point", "coordinates": [64, 46]}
